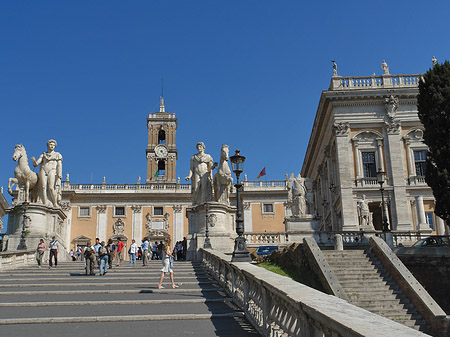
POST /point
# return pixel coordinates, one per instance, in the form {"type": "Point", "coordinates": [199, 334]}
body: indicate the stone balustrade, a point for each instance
{"type": "Point", "coordinates": [349, 238]}
{"type": "Point", "coordinates": [278, 306]}
{"type": "Point", "coordinates": [126, 187]}
{"type": "Point", "coordinates": [380, 81]}
{"type": "Point", "coordinates": [15, 259]}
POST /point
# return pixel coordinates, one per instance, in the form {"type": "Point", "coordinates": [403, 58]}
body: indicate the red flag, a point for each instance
{"type": "Point", "coordinates": [262, 173]}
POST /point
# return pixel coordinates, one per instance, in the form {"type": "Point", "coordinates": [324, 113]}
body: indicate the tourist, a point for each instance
{"type": "Point", "coordinates": [72, 256]}
{"type": "Point", "coordinates": [103, 255]}
{"type": "Point", "coordinates": [155, 251]}
{"type": "Point", "coordinates": [167, 261]}
{"type": "Point", "coordinates": [111, 252]}
{"type": "Point", "coordinates": [96, 247]}
{"type": "Point", "coordinates": [89, 257]}
{"type": "Point", "coordinates": [40, 252]}
{"type": "Point", "coordinates": [132, 252]}
{"type": "Point", "coordinates": [180, 250]}
{"type": "Point", "coordinates": [145, 244]}
{"type": "Point", "coordinates": [160, 250]}
{"type": "Point", "coordinates": [54, 249]}
{"type": "Point", "coordinates": [184, 243]}
{"type": "Point", "coordinates": [78, 253]}
{"type": "Point", "coordinates": [119, 254]}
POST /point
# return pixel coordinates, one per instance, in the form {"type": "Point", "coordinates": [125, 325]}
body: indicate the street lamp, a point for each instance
{"type": "Point", "coordinates": [207, 243]}
{"type": "Point", "coordinates": [381, 178]}
{"type": "Point", "coordinates": [240, 253]}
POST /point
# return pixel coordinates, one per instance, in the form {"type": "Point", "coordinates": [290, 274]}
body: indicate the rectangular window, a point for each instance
{"type": "Point", "coordinates": [430, 219]}
{"type": "Point", "coordinates": [420, 158]}
{"type": "Point", "coordinates": [119, 211]}
{"type": "Point", "coordinates": [267, 208]}
{"type": "Point", "coordinates": [158, 211]}
{"type": "Point", "coordinates": [85, 211]}
{"type": "Point", "coordinates": [369, 165]}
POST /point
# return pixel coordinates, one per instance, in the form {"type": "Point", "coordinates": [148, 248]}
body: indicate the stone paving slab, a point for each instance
{"type": "Point", "coordinates": [223, 327]}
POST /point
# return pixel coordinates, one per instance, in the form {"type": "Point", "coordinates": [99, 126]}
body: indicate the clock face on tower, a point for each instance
{"type": "Point", "coordinates": [161, 151]}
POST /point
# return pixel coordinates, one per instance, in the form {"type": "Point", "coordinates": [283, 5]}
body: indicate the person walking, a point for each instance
{"type": "Point", "coordinates": [155, 251]}
{"type": "Point", "coordinates": [145, 244]}
{"type": "Point", "coordinates": [119, 254]}
{"type": "Point", "coordinates": [184, 244]}
{"type": "Point", "coordinates": [103, 254]}
{"type": "Point", "coordinates": [54, 249]}
{"type": "Point", "coordinates": [40, 252]}
{"type": "Point", "coordinates": [111, 247]}
{"type": "Point", "coordinates": [167, 261]}
{"type": "Point", "coordinates": [132, 251]}
{"type": "Point", "coordinates": [96, 248]}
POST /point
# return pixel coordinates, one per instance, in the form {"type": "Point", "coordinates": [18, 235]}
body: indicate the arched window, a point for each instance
{"type": "Point", "coordinates": [161, 168]}
{"type": "Point", "coordinates": [161, 137]}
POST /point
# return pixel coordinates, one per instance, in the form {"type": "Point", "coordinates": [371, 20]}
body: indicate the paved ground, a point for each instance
{"type": "Point", "coordinates": [62, 301]}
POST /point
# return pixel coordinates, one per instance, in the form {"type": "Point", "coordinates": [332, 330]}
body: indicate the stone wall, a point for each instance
{"type": "Point", "coordinates": [433, 272]}
{"type": "Point", "coordinates": [294, 259]}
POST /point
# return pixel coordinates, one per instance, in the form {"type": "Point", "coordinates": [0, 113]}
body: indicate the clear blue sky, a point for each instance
{"type": "Point", "coordinates": [246, 73]}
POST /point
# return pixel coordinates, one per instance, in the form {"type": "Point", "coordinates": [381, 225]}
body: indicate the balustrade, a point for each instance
{"type": "Point", "coordinates": [363, 82]}
{"type": "Point", "coordinates": [278, 306]}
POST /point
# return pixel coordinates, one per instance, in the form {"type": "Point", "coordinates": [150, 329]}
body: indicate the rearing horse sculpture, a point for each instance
{"type": "Point", "coordinates": [222, 178]}
{"type": "Point", "coordinates": [23, 174]}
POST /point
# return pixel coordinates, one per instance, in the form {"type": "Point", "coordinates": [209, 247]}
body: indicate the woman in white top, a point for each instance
{"type": "Point", "coordinates": [133, 251]}
{"type": "Point", "coordinates": [167, 258]}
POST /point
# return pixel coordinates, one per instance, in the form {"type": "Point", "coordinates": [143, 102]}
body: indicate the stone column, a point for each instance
{"type": "Point", "coordinates": [421, 219]}
{"type": "Point", "coordinates": [248, 224]}
{"type": "Point", "coordinates": [401, 213]}
{"type": "Point", "coordinates": [136, 223]}
{"type": "Point", "coordinates": [411, 168]}
{"type": "Point", "coordinates": [178, 224]}
{"type": "Point", "coordinates": [357, 160]}
{"type": "Point", "coordinates": [101, 222]}
{"type": "Point", "coordinates": [345, 167]}
{"type": "Point", "coordinates": [440, 226]}
{"type": "Point", "coordinates": [67, 208]}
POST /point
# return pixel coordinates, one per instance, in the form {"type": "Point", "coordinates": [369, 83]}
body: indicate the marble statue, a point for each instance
{"type": "Point", "coordinates": [200, 173]}
{"type": "Point", "coordinates": [50, 175]}
{"type": "Point", "coordinates": [335, 73]}
{"type": "Point", "coordinates": [364, 212]}
{"type": "Point", "coordinates": [385, 68]}
{"type": "Point", "coordinates": [23, 174]}
{"type": "Point", "coordinates": [222, 178]}
{"type": "Point", "coordinates": [297, 195]}
{"type": "Point", "coordinates": [434, 60]}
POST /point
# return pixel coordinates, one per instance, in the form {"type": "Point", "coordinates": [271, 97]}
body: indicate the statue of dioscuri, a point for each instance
{"type": "Point", "coordinates": [50, 175]}
{"type": "Point", "coordinates": [200, 173]}
{"type": "Point", "coordinates": [222, 178]}
{"type": "Point", "coordinates": [23, 174]}
{"type": "Point", "coordinates": [297, 195]}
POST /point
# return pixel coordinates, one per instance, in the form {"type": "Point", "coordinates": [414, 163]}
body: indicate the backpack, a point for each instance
{"type": "Point", "coordinates": [102, 251]}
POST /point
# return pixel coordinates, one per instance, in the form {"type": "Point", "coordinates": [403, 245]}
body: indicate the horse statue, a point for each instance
{"type": "Point", "coordinates": [24, 176]}
{"type": "Point", "coordinates": [222, 178]}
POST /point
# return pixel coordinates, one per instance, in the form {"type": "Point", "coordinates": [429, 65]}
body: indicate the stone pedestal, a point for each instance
{"type": "Point", "coordinates": [221, 226]}
{"type": "Point", "coordinates": [300, 227]}
{"type": "Point", "coordinates": [30, 222]}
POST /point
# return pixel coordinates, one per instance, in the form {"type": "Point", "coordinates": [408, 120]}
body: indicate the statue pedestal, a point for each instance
{"type": "Point", "coordinates": [221, 227]}
{"type": "Point", "coordinates": [40, 222]}
{"type": "Point", "coordinates": [300, 227]}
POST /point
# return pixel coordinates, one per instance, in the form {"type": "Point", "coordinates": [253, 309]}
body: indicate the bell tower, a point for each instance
{"type": "Point", "coordinates": [162, 153]}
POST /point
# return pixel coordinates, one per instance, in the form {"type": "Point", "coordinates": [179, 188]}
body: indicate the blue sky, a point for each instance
{"type": "Point", "coordinates": [245, 73]}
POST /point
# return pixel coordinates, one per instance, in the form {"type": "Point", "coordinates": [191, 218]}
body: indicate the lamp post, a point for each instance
{"type": "Point", "coordinates": [207, 243]}
{"type": "Point", "coordinates": [381, 178]}
{"type": "Point", "coordinates": [240, 252]}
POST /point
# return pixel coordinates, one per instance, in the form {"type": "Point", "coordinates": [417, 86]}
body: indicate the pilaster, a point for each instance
{"type": "Point", "coordinates": [136, 223]}
{"type": "Point", "coordinates": [101, 222]}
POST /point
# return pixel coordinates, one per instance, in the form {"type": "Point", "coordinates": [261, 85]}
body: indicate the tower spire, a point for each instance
{"type": "Point", "coordinates": [162, 108]}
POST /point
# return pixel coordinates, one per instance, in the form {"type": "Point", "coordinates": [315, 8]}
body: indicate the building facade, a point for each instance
{"type": "Point", "coordinates": [364, 125]}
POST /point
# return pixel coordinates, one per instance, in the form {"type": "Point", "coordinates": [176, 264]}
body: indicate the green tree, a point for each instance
{"type": "Point", "coordinates": [433, 104]}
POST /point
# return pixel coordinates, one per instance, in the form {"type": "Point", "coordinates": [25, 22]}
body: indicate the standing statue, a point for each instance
{"type": "Point", "coordinates": [364, 212]}
{"type": "Point", "coordinates": [50, 175]}
{"type": "Point", "coordinates": [222, 178]}
{"type": "Point", "coordinates": [23, 174]}
{"type": "Point", "coordinates": [297, 195]}
{"type": "Point", "coordinates": [200, 173]}
{"type": "Point", "coordinates": [335, 71]}
{"type": "Point", "coordinates": [385, 68]}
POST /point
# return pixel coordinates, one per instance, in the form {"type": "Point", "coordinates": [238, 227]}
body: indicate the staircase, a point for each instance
{"type": "Point", "coordinates": [126, 301]}
{"type": "Point", "coordinates": [369, 286]}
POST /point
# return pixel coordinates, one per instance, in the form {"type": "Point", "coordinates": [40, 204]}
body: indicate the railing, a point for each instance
{"type": "Point", "coordinates": [266, 184]}
{"type": "Point", "coordinates": [123, 187]}
{"type": "Point", "coordinates": [349, 238]}
{"type": "Point", "coordinates": [14, 259]}
{"type": "Point", "coordinates": [279, 306]}
{"type": "Point", "coordinates": [368, 82]}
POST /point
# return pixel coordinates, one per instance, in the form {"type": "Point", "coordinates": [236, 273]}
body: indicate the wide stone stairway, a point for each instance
{"type": "Point", "coordinates": [62, 301]}
{"type": "Point", "coordinates": [369, 286]}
